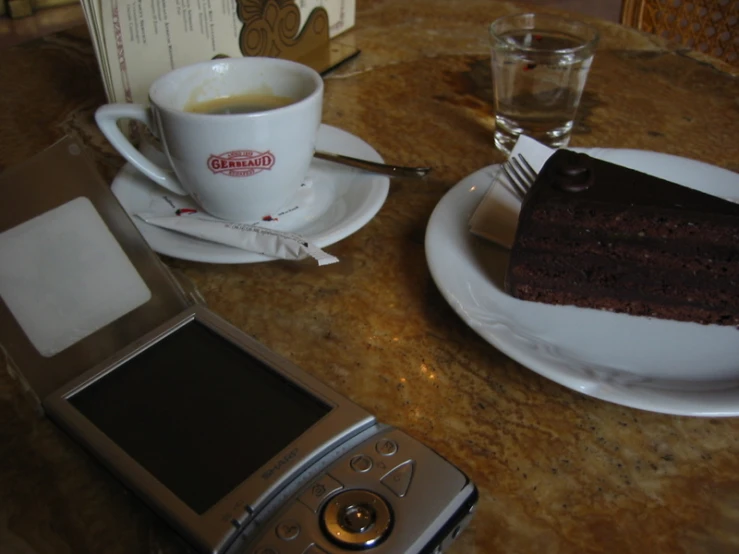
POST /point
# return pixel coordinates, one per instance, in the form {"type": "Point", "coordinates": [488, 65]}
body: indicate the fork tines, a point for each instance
{"type": "Point", "coordinates": [520, 175]}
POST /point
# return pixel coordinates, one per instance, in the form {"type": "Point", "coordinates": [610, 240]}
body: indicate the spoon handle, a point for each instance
{"type": "Point", "coordinates": [374, 167]}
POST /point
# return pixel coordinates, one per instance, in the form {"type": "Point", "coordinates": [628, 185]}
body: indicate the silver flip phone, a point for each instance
{"type": "Point", "coordinates": [243, 452]}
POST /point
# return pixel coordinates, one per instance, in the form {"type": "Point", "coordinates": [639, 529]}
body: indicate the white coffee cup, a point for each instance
{"type": "Point", "coordinates": [236, 166]}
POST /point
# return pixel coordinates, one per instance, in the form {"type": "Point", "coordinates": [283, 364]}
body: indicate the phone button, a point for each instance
{"type": "Point", "coordinates": [313, 549]}
{"type": "Point", "coordinates": [361, 463]}
{"type": "Point", "coordinates": [319, 491]}
{"type": "Point", "coordinates": [357, 519]}
{"type": "Point", "coordinates": [288, 530]}
{"type": "Point", "coordinates": [399, 479]}
{"type": "Point", "coordinates": [386, 447]}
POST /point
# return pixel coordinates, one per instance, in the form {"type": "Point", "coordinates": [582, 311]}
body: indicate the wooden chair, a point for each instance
{"type": "Point", "coordinates": [708, 26]}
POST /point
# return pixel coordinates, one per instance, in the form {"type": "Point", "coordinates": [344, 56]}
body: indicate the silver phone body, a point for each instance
{"type": "Point", "coordinates": [229, 442]}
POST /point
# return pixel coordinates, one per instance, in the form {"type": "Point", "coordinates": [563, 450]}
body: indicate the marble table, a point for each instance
{"type": "Point", "coordinates": [557, 471]}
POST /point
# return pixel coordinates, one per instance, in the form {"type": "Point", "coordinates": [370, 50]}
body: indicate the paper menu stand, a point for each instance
{"type": "Point", "coordinates": [77, 281]}
{"type": "Point", "coordinates": [135, 42]}
{"type": "Point", "coordinates": [305, 31]}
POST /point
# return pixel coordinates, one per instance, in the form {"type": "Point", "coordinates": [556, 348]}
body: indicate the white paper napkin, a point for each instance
{"type": "Point", "coordinates": [496, 217]}
{"type": "Point", "coordinates": [246, 236]}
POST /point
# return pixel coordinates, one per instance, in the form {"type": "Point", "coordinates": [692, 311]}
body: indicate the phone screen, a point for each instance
{"type": "Point", "coordinates": [198, 412]}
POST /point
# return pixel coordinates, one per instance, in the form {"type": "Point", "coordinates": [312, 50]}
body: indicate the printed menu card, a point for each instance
{"type": "Point", "coordinates": [136, 41]}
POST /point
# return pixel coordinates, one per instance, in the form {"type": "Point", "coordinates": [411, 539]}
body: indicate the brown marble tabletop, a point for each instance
{"type": "Point", "coordinates": [557, 471]}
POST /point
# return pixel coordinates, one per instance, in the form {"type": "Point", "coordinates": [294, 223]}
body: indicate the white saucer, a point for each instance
{"type": "Point", "coordinates": [652, 364]}
{"type": "Point", "coordinates": [334, 202]}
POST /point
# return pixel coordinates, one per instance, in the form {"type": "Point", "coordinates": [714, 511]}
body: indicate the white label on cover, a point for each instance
{"type": "Point", "coordinates": [64, 276]}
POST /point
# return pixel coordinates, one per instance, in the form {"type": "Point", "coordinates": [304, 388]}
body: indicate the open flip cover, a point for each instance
{"type": "Point", "coordinates": [77, 280]}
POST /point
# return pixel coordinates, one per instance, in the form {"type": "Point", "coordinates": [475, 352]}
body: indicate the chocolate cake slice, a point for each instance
{"type": "Point", "coordinates": [598, 235]}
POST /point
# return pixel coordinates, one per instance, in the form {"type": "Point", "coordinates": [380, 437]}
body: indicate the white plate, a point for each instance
{"type": "Point", "coordinates": [653, 364]}
{"type": "Point", "coordinates": [334, 202]}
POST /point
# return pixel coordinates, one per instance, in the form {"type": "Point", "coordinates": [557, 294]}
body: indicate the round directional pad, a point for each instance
{"type": "Point", "coordinates": [357, 519]}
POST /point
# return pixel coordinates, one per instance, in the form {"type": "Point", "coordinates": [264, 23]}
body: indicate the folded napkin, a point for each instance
{"type": "Point", "coordinates": [496, 217]}
{"type": "Point", "coordinates": [246, 236]}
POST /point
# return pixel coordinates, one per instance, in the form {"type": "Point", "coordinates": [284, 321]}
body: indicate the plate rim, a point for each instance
{"type": "Point", "coordinates": [376, 195]}
{"type": "Point", "coordinates": [649, 398]}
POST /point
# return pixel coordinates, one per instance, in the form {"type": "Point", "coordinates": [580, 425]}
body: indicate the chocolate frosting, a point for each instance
{"type": "Point", "coordinates": [591, 180]}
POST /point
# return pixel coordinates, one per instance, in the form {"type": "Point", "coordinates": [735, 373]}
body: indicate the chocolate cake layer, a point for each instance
{"type": "Point", "coordinates": [598, 235]}
{"type": "Point", "coordinates": [680, 256]}
{"type": "Point", "coordinates": [631, 282]}
{"type": "Point", "coordinates": [706, 316]}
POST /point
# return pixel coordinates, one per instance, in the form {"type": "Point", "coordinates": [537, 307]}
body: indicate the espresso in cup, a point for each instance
{"type": "Point", "coordinates": [239, 133]}
{"type": "Point", "coordinates": [244, 103]}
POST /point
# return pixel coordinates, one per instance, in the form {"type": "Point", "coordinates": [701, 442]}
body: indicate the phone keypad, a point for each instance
{"type": "Point", "coordinates": [355, 504]}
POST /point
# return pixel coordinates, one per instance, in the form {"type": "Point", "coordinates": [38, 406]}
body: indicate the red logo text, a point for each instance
{"type": "Point", "coordinates": [241, 163]}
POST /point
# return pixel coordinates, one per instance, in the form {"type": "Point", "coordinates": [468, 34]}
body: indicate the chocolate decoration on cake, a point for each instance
{"type": "Point", "coordinates": [625, 242]}
{"type": "Point", "coordinates": [572, 172]}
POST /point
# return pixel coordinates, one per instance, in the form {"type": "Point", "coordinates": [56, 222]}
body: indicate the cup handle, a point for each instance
{"type": "Point", "coordinates": [107, 117]}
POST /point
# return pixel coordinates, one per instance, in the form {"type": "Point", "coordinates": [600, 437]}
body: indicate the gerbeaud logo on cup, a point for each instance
{"type": "Point", "coordinates": [239, 133]}
{"type": "Point", "coordinates": [241, 163]}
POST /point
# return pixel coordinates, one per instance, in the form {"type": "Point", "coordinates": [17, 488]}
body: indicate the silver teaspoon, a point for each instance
{"type": "Point", "coordinates": [374, 167]}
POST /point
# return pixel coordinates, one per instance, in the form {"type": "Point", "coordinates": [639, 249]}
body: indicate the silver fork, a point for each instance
{"type": "Point", "coordinates": [520, 175]}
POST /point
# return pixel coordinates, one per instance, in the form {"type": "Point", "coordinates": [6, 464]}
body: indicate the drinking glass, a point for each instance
{"type": "Point", "coordinates": [540, 63]}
